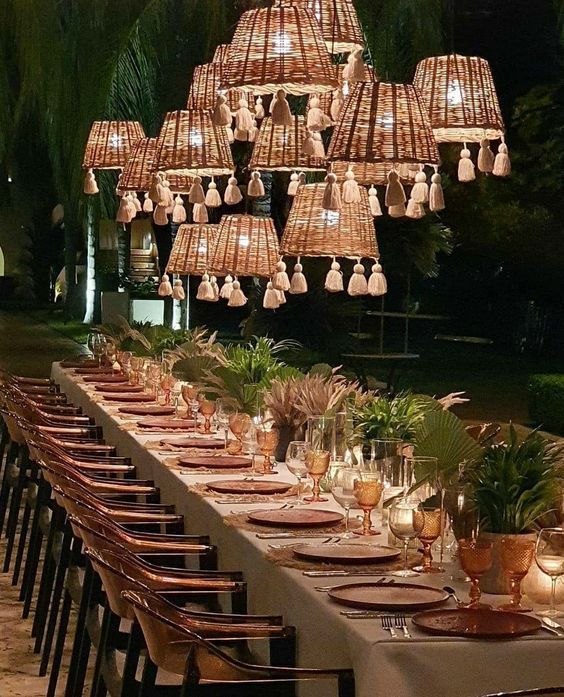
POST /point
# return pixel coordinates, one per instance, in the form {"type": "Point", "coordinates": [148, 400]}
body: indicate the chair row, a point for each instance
{"type": "Point", "coordinates": [154, 614]}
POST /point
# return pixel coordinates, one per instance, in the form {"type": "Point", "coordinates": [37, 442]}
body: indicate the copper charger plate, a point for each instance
{"type": "Point", "coordinates": [139, 397]}
{"type": "Point", "coordinates": [94, 370]}
{"type": "Point", "coordinates": [216, 462]}
{"type": "Point", "coordinates": [149, 410]}
{"type": "Point", "coordinates": [388, 596]}
{"type": "Point", "coordinates": [477, 624]}
{"type": "Point", "coordinates": [105, 378]}
{"type": "Point", "coordinates": [193, 442]}
{"type": "Point", "coordinates": [120, 387]}
{"type": "Point", "coordinates": [296, 518]}
{"type": "Point", "coordinates": [87, 363]}
{"type": "Point", "coordinates": [264, 486]}
{"type": "Point", "coordinates": [167, 424]}
{"type": "Point", "coordinates": [346, 553]}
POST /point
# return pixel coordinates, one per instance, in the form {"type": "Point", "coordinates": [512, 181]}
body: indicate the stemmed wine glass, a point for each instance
{"type": "Point", "coordinates": [405, 524]}
{"type": "Point", "coordinates": [295, 462]}
{"type": "Point", "coordinates": [207, 410]}
{"type": "Point", "coordinates": [224, 408]}
{"type": "Point", "coordinates": [549, 555]}
{"type": "Point", "coordinates": [136, 368]}
{"type": "Point", "coordinates": [267, 440]}
{"type": "Point", "coordinates": [168, 382]}
{"type": "Point", "coordinates": [99, 348]}
{"type": "Point", "coordinates": [475, 559]}
{"type": "Point", "coordinates": [317, 464]}
{"type": "Point", "coordinates": [431, 529]}
{"type": "Point", "coordinates": [190, 394]}
{"type": "Point", "coordinates": [516, 558]}
{"type": "Point", "coordinates": [344, 487]}
{"type": "Point", "coordinates": [239, 424]}
{"type": "Point", "coordinates": [367, 493]}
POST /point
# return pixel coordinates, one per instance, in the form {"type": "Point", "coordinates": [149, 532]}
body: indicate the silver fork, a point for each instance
{"type": "Point", "coordinates": [401, 623]}
{"type": "Point", "coordinates": [388, 623]}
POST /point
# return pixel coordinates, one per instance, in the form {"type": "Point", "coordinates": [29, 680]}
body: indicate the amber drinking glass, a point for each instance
{"type": "Point", "coordinates": [207, 410]}
{"type": "Point", "coordinates": [190, 394]}
{"type": "Point", "coordinates": [317, 463]}
{"type": "Point", "coordinates": [432, 522]}
{"type": "Point", "coordinates": [367, 493]}
{"type": "Point", "coordinates": [475, 559]}
{"type": "Point", "coordinates": [267, 440]}
{"type": "Point", "coordinates": [516, 558]}
{"type": "Point", "coordinates": [239, 425]}
{"type": "Point", "coordinates": [136, 368]}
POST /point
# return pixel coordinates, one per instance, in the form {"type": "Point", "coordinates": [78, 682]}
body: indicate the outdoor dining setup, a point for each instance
{"type": "Point", "coordinates": [295, 530]}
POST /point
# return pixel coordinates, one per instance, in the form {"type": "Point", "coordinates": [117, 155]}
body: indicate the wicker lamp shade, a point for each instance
{"type": "Point", "coordinates": [206, 86]}
{"type": "Point", "coordinates": [383, 122]}
{"type": "Point", "coordinates": [373, 173]}
{"type": "Point", "coordinates": [339, 23]}
{"type": "Point", "coordinates": [138, 172]}
{"type": "Point", "coordinates": [279, 148]}
{"type": "Point", "coordinates": [459, 96]}
{"type": "Point", "coordinates": [246, 246]}
{"type": "Point", "coordinates": [326, 98]}
{"type": "Point", "coordinates": [192, 249]}
{"type": "Point", "coordinates": [312, 231]}
{"type": "Point", "coordinates": [110, 144]}
{"type": "Point", "coordinates": [279, 47]}
{"type": "Point", "coordinates": [220, 55]}
{"type": "Point", "coordinates": [190, 144]}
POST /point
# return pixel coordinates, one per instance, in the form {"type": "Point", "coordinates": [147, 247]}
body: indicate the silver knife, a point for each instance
{"type": "Point", "coordinates": [341, 574]}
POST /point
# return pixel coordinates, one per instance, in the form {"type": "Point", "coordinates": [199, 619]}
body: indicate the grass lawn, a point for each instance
{"type": "Point", "coordinates": [72, 329]}
{"type": "Point", "coordinates": [494, 381]}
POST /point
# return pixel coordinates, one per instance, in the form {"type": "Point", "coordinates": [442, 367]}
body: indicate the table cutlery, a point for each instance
{"type": "Point", "coordinates": [401, 623]}
{"type": "Point", "coordinates": [388, 623]}
{"type": "Point", "coordinates": [341, 574]}
{"type": "Point", "coordinates": [452, 593]}
{"type": "Point", "coordinates": [289, 536]}
{"type": "Point", "coordinates": [551, 626]}
{"type": "Point", "coordinates": [380, 581]}
{"type": "Point", "coordinates": [327, 540]}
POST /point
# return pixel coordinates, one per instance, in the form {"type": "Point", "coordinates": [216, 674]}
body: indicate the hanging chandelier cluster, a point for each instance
{"type": "Point", "coordinates": [362, 133]}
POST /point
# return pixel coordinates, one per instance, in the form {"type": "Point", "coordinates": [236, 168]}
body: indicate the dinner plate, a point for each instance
{"type": "Point", "coordinates": [346, 553]}
{"type": "Point", "coordinates": [194, 442]}
{"type": "Point", "coordinates": [139, 397]}
{"type": "Point", "coordinates": [120, 387]}
{"type": "Point", "coordinates": [102, 379]}
{"type": "Point", "coordinates": [388, 596]}
{"type": "Point", "coordinates": [76, 363]}
{"type": "Point", "coordinates": [93, 370]}
{"type": "Point", "coordinates": [167, 424]}
{"type": "Point", "coordinates": [216, 461]}
{"type": "Point", "coordinates": [296, 518]}
{"type": "Point", "coordinates": [477, 624]}
{"type": "Point", "coordinates": [149, 410]}
{"type": "Point", "coordinates": [236, 486]}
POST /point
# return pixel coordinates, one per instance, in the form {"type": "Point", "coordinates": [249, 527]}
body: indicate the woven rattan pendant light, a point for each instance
{"type": "Point", "coordinates": [192, 249]}
{"type": "Point", "coordinates": [385, 123]}
{"type": "Point", "coordinates": [220, 54]}
{"type": "Point", "coordinates": [280, 148]}
{"type": "Point", "coordinates": [190, 144]}
{"type": "Point", "coordinates": [246, 246]}
{"type": "Point", "coordinates": [109, 146]}
{"type": "Point", "coordinates": [459, 95]}
{"type": "Point", "coordinates": [339, 23]}
{"type": "Point", "coordinates": [205, 88]}
{"type": "Point", "coordinates": [312, 231]}
{"type": "Point", "coordinates": [279, 48]}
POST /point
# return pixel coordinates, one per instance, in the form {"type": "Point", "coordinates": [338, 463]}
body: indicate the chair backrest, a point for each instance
{"type": "Point", "coordinates": [534, 692]}
{"type": "Point", "coordinates": [170, 642]}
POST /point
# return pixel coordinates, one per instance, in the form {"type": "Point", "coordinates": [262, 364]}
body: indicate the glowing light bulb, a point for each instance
{"type": "Point", "coordinates": [386, 120]}
{"type": "Point", "coordinates": [331, 217]}
{"type": "Point", "coordinates": [195, 138]}
{"type": "Point", "coordinates": [243, 241]}
{"type": "Point", "coordinates": [203, 248]}
{"type": "Point", "coordinates": [346, 88]}
{"type": "Point", "coordinates": [115, 141]}
{"type": "Point", "coordinates": [282, 43]}
{"type": "Point", "coordinates": [454, 93]}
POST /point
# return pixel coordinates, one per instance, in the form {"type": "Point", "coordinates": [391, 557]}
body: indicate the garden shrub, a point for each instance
{"type": "Point", "coordinates": [546, 401]}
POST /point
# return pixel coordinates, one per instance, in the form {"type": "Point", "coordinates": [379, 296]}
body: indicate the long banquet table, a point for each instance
{"type": "Point", "coordinates": [423, 666]}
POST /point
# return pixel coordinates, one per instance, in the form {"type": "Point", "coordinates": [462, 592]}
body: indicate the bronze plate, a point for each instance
{"type": "Point", "coordinates": [120, 387]}
{"type": "Point", "coordinates": [346, 553]}
{"type": "Point", "coordinates": [193, 442]}
{"type": "Point", "coordinates": [477, 624]}
{"type": "Point", "coordinates": [149, 410]}
{"type": "Point", "coordinates": [296, 518]}
{"type": "Point", "coordinates": [103, 379]}
{"type": "Point", "coordinates": [264, 486]}
{"type": "Point", "coordinates": [388, 596]}
{"type": "Point", "coordinates": [140, 397]}
{"type": "Point", "coordinates": [216, 462]}
{"type": "Point", "coordinates": [167, 424]}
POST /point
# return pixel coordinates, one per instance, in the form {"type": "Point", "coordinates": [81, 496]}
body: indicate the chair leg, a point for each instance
{"type": "Point", "coordinates": [98, 685]}
{"type": "Point", "coordinates": [149, 678]}
{"type": "Point", "coordinates": [46, 583]}
{"type": "Point", "coordinates": [136, 642]}
{"type": "Point", "coordinates": [5, 490]}
{"type": "Point", "coordinates": [12, 524]}
{"type": "Point", "coordinates": [346, 685]}
{"type": "Point", "coordinates": [23, 536]}
{"type": "Point", "coordinates": [58, 589]}
{"type": "Point", "coordinates": [91, 590]}
{"type": "Point", "coordinates": [59, 645]}
{"type": "Point", "coordinates": [34, 548]}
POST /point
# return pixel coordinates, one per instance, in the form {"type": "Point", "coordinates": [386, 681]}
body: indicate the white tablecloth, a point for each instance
{"type": "Point", "coordinates": [419, 667]}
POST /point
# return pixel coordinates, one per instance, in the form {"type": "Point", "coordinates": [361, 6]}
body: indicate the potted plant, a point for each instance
{"type": "Point", "coordinates": [516, 488]}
